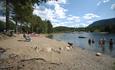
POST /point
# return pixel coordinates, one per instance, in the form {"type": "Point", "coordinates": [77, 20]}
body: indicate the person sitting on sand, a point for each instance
{"type": "Point", "coordinates": [70, 44]}
{"type": "Point", "coordinates": [27, 37]}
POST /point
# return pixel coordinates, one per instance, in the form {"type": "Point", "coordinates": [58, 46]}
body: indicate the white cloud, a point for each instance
{"type": "Point", "coordinates": [3, 18]}
{"type": "Point", "coordinates": [89, 22]}
{"type": "Point", "coordinates": [73, 18]}
{"type": "Point", "coordinates": [58, 24]}
{"type": "Point", "coordinates": [113, 6]}
{"type": "Point", "coordinates": [53, 2]}
{"type": "Point", "coordinates": [60, 11]}
{"type": "Point", "coordinates": [56, 13]}
{"type": "Point", "coordinates": [102, 1]}
{"type": "Point", "coordinates": [105, 1]}
{"type": "Point", "coordinates": [90, 16]}
{"type": "Point", "coordinates": [82, 25]}
{"type": "Point", "coordinates": [98, 3]}
{"type": "Point", "coordinates": [63, 1]}
{"type": "Point", "coordinates": [44, 14]}
{"type": "Point", "coordinates": [51, 13]}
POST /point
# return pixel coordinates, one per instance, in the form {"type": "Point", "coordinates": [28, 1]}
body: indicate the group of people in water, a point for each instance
{"type": "Point", "coordinates": [101, 43]}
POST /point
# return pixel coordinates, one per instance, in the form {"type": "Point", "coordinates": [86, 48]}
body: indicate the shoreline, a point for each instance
{"type": "Point", "coordinates": [44, 53]}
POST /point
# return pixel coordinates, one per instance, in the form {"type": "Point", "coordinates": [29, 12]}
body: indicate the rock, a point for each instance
{"type": "Point", "coordinates": [60, 49]}
{"type": "Point", "coordinates": [49, 49]}
{"type": "Point", "coordinates": [98, 54]}
{"type": "Point", "coordinates": [56, 50]}
{"type": "Point", "coordinates": [68, 48]}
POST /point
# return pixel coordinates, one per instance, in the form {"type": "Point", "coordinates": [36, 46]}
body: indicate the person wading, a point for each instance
{"type": "Point", "coordinates": [102, 44]}
{"type": "Point", "coordinates": [111, 45]}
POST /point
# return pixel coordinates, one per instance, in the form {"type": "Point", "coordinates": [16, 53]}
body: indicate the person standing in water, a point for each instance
{"type": "Point", "coordinates": [102, 44]}
{"type": "Point", "coordinates": [89, 41]}
{"type": "Point", "coordinates": [93, 41]}
{"type": "Point", "coordinates": [111, 45]}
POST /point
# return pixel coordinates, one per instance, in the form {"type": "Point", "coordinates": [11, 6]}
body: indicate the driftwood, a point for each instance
{"type": "Point", "coordinates": [55, 63]}
{"type": "Point", "coordinates": [42, 60]}
{"type": "Point", "coordinates": [34, 59]}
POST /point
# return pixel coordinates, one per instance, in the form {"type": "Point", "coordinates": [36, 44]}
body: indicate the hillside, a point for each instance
{"type": "Point", "coordinates": [63, 29]}
{"type": "Point", "coordinates": [106, 25]}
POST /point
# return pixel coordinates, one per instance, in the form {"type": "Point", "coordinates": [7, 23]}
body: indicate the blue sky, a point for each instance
{"type": "Point", "coordinates": [74, 13]}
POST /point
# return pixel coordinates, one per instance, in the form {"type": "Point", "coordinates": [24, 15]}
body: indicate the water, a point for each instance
{"type": "Point", "coordinates": [83, 42]}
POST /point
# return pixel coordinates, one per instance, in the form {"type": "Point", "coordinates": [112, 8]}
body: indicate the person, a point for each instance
{"type": "Point", "coordinates": [111, 45]}
{"type": "Point", "coordinates": [27, 37]}
{"type": "Point", "coordinates": [93, 41]}
{"type": "Point", "coordinates": [24, 35]}
{"type": "Point", "coordinates": [102, 43]}
{"type": "Point", "coordinates": [89, 41]}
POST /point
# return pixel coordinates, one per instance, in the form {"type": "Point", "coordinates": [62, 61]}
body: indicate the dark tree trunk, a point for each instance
{"type": "Point", "coordinates": [7, 15]}
{"type": "Point", "coordinates": [16, 27]}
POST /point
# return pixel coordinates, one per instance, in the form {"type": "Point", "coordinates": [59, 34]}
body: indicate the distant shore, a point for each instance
{"type": "Point", "coordinates": [47, 54]}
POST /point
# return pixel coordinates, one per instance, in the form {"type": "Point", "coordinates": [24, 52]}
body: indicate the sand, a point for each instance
{"type": "Point", "coordinates": [46, 54]}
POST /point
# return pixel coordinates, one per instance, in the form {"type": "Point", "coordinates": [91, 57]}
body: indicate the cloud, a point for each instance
{"type": "Point", "coordinates": [81, 25]}
{"type": "Point", "coordinates": [51, 10]}
{"type": "Point", "coordinates": [84, 24]}
{"type": "Point", "coordinates": [105, 1]}
{"type": "Point", "coordinates": [113, 6]}
{"type": "Point", "coordinates": [73, 18]}
{"type": "Point", "coordinates": [90, 16]}
{"type": "Point", "coordinates": [102, 1]}
{"type": "Point", "coordinates": [98, 3]}
{"type": "Point", "coordinates": [63, 1]}
{"type": "Point", "coordinates": [3, 18]}
{"type": "Point", "coordinates": [60, 11]}
{"type": "Point", "coordinates": [56, 13]}
{"type": "Point", "coordinates": [53, 2]}
{"type": "Point", "coordinates": [89, 22]}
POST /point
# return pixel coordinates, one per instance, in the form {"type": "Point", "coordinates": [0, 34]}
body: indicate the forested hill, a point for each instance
{"type": "Point", "coordinates": [106, 25]}
{"type": "Point", "coordinates": [63, 29]}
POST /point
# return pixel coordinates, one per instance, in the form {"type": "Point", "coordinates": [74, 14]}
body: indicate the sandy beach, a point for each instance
{"type": "Point", "coordinates": [42, 53]}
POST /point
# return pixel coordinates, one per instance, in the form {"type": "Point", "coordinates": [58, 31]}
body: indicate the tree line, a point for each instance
{"type": "Point", "coordinates": [19, 17]}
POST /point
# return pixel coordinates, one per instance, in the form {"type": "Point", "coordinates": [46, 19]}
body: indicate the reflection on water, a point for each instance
{"type": "Point", "coordinates": [83, 42]}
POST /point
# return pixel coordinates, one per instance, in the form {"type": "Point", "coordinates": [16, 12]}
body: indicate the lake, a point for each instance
{"type": "Point", "coordinates": [83, 42]}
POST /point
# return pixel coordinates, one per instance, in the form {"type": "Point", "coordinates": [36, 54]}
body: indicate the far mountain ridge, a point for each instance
{"type": "Point", "coordinates": [105, 25]}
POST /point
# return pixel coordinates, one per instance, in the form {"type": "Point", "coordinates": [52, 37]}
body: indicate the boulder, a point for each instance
{"type": "Point", "coordinates": [68, 48]}
{"type": "Point", "coordinates": [98, 54]}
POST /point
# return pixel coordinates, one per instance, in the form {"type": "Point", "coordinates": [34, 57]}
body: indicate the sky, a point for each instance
{"type": "Point", "coordinates": [74, 13]}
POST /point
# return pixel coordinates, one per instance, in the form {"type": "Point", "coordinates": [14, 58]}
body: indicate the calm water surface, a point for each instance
{"type": "Point", "coordinates": [83, 42]}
